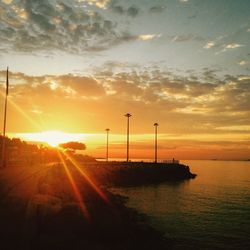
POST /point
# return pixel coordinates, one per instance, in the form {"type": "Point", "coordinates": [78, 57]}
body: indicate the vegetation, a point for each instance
{"type": "Point", "coordinates": [21, 153]}
{"type": "Point", "coordinates": [73, 145]}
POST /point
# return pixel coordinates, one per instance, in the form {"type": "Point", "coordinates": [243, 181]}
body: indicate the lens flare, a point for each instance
{"type": "Point", "coordinates": [35, 124]}
{"type": "Point", "coordinates": [75, 189]}
{"type": "Point", "coordinates": [86, 177]}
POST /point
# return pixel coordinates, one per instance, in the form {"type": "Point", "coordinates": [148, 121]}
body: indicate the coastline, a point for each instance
{"type": "Point", "coordinates": [49, 217]}
{"type": "Point", "coordinates": [137, 173]}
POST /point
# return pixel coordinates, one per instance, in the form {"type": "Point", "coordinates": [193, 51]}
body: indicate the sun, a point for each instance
{"type": "Point", "coordinates": [54, 137]}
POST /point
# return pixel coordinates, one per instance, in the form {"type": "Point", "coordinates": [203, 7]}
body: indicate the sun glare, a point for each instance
{"type": "Point", "coordinates": [53, 138]}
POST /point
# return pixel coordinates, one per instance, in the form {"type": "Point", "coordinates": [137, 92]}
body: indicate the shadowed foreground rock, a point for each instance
{"type": "Point", "coordinates": [41, 212]}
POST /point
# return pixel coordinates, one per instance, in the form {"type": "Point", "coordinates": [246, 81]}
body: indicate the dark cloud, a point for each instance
{"type": "Point", "coordinates": [83, 86]}
{"type": "Point", "coordinates": [31, 26]}
{"type": "Point", "coordinates": [73, 145]}
{"type": "Point", "coordinates": [133, 11]}
{"type": "Point", "coordinates": [192, 16]}
{"type": "Point", "coordinates": [64, 86]}
{"type": "Point", "coordinates": [157, 9]}
{"type": "Point", "coordinates": [118, 9]}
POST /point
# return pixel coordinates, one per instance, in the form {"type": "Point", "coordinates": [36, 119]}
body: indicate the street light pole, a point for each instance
{"type": "Point", "coordinates": [128, 116]}
{"type": "Point", "coordinates": [107, 152]}
{"type": "Point", "coordinates": [5, 118]}
{"type": "Point", "coordinates": [156, 125]}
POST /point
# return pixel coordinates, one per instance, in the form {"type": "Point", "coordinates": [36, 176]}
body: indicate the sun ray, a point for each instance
{"type": "Point", "coordinates": [86, 177]}
{"type": "Point", "coordinates": [53, 138]}
{"type": "Point", "coordinates": [35, 124]}
{"type": "Point", "coordinates": [75, 189]}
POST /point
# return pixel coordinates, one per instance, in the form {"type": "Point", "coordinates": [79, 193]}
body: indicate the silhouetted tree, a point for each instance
{"type": "Point", "coordinates": [73, 145]}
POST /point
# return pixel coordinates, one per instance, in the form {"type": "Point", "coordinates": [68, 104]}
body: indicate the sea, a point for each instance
{"type": "Point", "coordinates": [211, 211]}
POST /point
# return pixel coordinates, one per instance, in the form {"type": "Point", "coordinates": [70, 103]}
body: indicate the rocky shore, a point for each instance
{"type": "Point", "coordinates": [43, 209]}
{"type": "Point", "coordinates": [137, 173]}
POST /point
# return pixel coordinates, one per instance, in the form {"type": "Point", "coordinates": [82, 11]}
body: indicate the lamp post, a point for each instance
{"type": "Point", "coordinates": [107, 152]}
{"type": "Point", "coordinates": [128, 116]}
{"type": "Point", "coordinates": [156, 125]}
{"type": "Point", "coordinates": [5, 118]}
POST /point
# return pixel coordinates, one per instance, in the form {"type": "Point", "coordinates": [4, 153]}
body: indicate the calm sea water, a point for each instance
{"type": "Point", "coordinates": [211, 211]}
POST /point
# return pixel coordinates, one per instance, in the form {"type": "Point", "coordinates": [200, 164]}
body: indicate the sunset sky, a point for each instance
{"type": "Point", "coordinates": [78, 66]}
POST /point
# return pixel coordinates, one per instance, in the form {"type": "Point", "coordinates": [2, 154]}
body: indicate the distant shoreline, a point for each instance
{"type": "Point", "coordinates": [100, 159]}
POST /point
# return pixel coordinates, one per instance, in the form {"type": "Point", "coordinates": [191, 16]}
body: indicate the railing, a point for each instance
{"type": "Point", "coordinates": [172, 161]}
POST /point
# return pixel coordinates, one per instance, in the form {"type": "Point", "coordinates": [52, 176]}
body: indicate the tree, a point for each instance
{"type": "Point", "coordinates": [73, 145]}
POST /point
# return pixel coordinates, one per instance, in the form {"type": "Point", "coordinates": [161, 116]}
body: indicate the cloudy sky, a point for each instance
{"type": "Point", "coordinates": [79, 65]}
